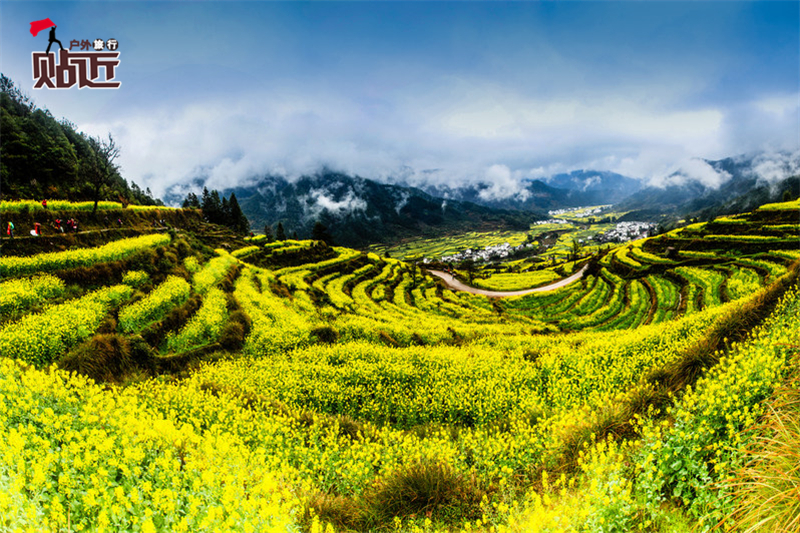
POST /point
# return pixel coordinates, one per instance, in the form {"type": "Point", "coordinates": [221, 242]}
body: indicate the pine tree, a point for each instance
{"type": "Point", "coordinates": [280, 234]}
{"type": "Point", "coordinates": [225, 213]}
{"type": "Point", "coordinates": [206, 205]}
{"type": "Point", "coordinates": [320, 233]}
{"type": "Point", "coordinates": [268, 233]}
{"type": "Point", "coordinates": [238, 222]}
{"type": "Point", "coordinates": [212, 207]}
{"type": "Point", "coordinates": [191, 201]}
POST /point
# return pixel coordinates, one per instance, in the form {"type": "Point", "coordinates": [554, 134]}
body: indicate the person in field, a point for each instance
{"type": "Point", "coordinates": [44, 203]}
{"type": "Point", "coordinates": [10, 229]}
{"type": "Point", "coordinates": [37, 229]}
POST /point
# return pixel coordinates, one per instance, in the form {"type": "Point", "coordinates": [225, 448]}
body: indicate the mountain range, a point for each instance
{"type": "Point", "coordinates": [741, 184]}
{"type": "Point", "coordinates": [578, 188]}
{"type": "Point", "coordinates": [358, 211]}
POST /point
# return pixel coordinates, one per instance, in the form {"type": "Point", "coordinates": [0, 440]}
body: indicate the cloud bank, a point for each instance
{"type": "Point", "coordinates": [459, 134]}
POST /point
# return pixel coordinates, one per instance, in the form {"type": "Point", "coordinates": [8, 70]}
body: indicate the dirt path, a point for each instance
{"type": "Point", "coordinates": [453, 283]}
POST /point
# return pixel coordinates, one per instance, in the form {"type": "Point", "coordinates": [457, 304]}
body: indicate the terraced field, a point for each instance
{"type": "Point", "coordinates": [297, 387]}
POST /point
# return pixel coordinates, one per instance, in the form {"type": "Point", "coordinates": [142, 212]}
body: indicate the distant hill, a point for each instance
{"type": "Point", "coordinates": [358, 211]}
{"type": "Point", "coordinates": [41, 157]}
{"type": "Point", "coordinates": [743, 187]}
{"type": "Point", "coordinates": [577, 188]}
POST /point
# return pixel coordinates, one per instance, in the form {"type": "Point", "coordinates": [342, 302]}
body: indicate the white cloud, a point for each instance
{"type": "Point", "coordinates": [467, 132]}
{"type": "Point", "coordinates": [402, 202]}
{"type": "Point", "coordinates": [698, 170]}
{"type": "Point", "coordinates": [776, 166]}
{"type": "Point", "coordinates": [319, 201]}
{"type": "Point", "coordinates": [502, 184]}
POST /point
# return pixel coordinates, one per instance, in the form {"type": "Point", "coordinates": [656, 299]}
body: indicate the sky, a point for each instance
{"type": "Point", "coordinates": [425, 92]}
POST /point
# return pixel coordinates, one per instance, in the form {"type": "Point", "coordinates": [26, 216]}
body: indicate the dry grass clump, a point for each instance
{"type": "Point", "coordinates": [104, 358]}
{"type": "Point", "coordinates": [426, 489]}
{"type": "Point", "coordinates": [766, 489]}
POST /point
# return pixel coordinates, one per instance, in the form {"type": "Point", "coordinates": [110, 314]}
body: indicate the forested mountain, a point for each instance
{"type": "Point", "coordinates": [746, 182]}
{"type": "Point", "coordinates": [41, 157]}
{"type": "Point", "coordinates": [358, 211]}
{"type": "Point", "coordinates": [577, 188]}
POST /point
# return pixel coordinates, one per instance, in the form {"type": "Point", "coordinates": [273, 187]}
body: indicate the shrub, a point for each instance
{"type": "Point", "coordinates": [106, 357]}
{"type": "Point", "coordinates": [235, 331]}
{"type": "Point", "coordinates": [426, 488]}
{"type": "Point", "coordinates": [325, 335]}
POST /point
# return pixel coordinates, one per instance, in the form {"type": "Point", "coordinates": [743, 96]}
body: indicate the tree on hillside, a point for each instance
{"type": "Point", "coordinates": [225, 213]}
{"type": "Point", "coordinates": [576, 250]}
{"type": "Point", "coordinates": [320, 233]}
{"type": "Point", "coordinates": [280, 234]}
{"type": "Point", "coordinates": [268, 233]}
{"type": "Point", "coordinates": [191, 201]}
{"type": "Point", "coordinates": [16, 95]}
{"type": "Point", "coordinates": [220, 210]}
{"type": "Point", "coordinates": [237, 221]}
{"type": "Point", "coordinates": [212, 206]}
{"type": "Point", "coordinates": [41, 157]}
{"type": "Point", "coordinates": [99, 167]}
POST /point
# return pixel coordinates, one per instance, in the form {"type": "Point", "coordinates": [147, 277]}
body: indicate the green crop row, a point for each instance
{"type": "Point", "coordinates": [204, 327]}
{"type": "Point", "coordinates": [18, 206]}
{"type": "Point", "coordinates": [40, 338]}
{"type": "Point", "coordinates": [153, 307]}
{"type": "Point", "coordinates": [50, 261]}
{"type": "Point", "coordinates": [19, 294]}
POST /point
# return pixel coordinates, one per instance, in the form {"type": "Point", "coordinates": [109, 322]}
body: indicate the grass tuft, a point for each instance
{"type": "Point", "coordinates": [104, 358]}
{"type": "Point", "coordinates": [766, 489]}
{"type": "Point", "coordinates": [425, 489]}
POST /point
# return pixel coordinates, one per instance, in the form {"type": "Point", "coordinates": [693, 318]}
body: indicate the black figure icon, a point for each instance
{"type": "Point", "coordinates": [53, 40]}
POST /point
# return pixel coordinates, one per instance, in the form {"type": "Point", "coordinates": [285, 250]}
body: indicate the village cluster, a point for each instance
{"type": "Point", "coordinates": [622, 232]}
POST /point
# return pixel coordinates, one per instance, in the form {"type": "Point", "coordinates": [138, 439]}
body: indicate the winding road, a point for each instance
{"type": "Point", "coordinates": [453, 283]}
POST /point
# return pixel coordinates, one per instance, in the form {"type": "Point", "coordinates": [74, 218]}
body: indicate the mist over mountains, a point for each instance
{"type": "Point", "coordinates": [359, 211]}
{"type": "Point", "coordinates": [729, 185]}
{"type": "Point", "coordinates": [41, 157]}
{"type": "Point", "coordinates": [577, 188]}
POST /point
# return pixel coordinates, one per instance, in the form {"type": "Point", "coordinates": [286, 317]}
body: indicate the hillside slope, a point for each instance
{"type": "Point", "coordinates": [281, 386]}
{"type": "Point", "coordinates": [41, 157]}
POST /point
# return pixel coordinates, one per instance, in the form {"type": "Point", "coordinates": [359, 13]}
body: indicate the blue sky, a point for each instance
{"type": "Point", "coordinates": [450, 92]}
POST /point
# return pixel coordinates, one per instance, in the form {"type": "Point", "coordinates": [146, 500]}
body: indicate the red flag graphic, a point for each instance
{"type": "Point", "coordinates": [39, 25]}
